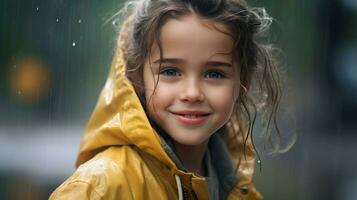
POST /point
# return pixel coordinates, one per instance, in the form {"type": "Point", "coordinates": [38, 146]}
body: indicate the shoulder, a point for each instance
{"type": "Point", "coordinates": [105, 176]}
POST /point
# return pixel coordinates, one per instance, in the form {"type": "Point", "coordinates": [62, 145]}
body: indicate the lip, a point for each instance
{"type": "Point", "coordinates": [191, 117]}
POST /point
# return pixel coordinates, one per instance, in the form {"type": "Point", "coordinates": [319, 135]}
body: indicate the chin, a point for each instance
{"type": "Point", "coordinates": [190, 141]}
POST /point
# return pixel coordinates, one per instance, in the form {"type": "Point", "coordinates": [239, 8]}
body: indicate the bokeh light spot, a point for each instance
{"type": "Point", "coordinates": [30, 80]}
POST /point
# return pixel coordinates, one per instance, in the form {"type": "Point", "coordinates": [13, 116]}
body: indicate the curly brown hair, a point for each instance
{"type": "Point", "coordinates": [260, 85]}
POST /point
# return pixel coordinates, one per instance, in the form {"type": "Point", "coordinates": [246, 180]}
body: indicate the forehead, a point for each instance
{"type": "Point", "coordinates": [194, 35]}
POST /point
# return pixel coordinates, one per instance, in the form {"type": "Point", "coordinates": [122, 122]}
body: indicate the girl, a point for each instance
{"type": "Point", "coordinates": [174, 118]}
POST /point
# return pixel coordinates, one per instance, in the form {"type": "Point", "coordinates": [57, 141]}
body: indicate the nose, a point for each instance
{"type": "Point", "coordinates": [192, 92]}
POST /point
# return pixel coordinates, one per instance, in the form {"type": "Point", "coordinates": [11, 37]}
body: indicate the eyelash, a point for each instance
{"type": "Point", "coordinates": [216, 73]}
{"type": "Point", "coordinates": [165, 72]}
{"type": "Point", "coordinates": [172, 72]}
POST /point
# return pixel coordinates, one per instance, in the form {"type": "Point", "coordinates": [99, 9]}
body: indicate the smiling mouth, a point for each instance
{"type": "Point", "coordinates": [191, 118]}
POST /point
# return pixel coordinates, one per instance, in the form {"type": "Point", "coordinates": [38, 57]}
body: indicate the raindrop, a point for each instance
{"type": "Point", "coordinates": [37, 8]}
{"type": "Point", "coordinates": [259, 161]}
{"type": "Point", "coordinates": [79, 21]}
{"type": "Point", "coordinates": [115, 23]}
{"type": "Point", "coordinates": [73, 44]}
{"type": "Point", "coordinates": [57, 20]}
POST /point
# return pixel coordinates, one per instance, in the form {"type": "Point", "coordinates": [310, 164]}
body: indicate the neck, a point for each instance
{"type": "Point", "coordinates": [192, 156]}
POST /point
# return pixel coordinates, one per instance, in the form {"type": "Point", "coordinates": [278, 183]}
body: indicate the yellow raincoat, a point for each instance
{"type": "Point", "coordinates": [122, 157]}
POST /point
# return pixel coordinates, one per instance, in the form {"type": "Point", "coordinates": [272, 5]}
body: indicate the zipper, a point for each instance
{"type": "Point", "coordinates": [185, 194]}
{"type": "Point", "coordinates": [188, 194]}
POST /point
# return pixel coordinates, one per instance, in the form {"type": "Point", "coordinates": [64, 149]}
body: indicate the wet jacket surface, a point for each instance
{"type": "Point", "coordinates": [122, 157]}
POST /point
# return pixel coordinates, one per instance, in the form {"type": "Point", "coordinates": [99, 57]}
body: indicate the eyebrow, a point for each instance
{"type": "Point", "coordinates": [178, 61]}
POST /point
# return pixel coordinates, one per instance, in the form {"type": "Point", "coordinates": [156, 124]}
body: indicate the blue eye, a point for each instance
{"type": "Point", "coordinates": [214, 75]}
{"type": "Point", "coordinates": [170, 72]}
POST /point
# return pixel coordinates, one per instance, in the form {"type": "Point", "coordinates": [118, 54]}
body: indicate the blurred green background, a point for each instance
{"type": "Point", "coordinates": [55, 56]}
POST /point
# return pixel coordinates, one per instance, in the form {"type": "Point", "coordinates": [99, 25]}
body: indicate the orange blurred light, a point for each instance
{"type": "Point", "coordinates": [29, 79]}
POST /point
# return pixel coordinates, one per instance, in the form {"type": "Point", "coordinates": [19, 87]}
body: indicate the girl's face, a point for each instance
{"type": "Point", "coordinates": [197, 82]}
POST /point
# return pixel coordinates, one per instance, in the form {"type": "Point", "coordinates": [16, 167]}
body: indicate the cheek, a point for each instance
{"type": "Point", "coordinates": [223, 99]}
{"type": "Point", "coordinates": [158, 98]}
